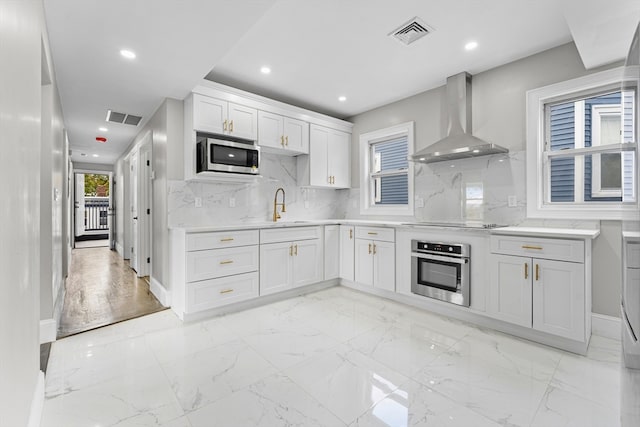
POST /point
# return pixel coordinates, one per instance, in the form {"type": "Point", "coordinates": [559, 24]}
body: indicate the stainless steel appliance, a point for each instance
{"type": "Point", "coordinates": [441, 271]}
{"type": "Point", "coordinates": [227, 155]}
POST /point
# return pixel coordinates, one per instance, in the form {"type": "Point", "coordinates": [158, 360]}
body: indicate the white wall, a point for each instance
{"type": "Point", "coordinates": [499, 103]}
{"type": "Point", "coordinates": [20, 53]}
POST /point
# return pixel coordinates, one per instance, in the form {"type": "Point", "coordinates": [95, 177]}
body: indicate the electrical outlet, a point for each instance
{"type": "Point", "coordinates": [232, 202]}
{"type": "Point", "coordinates": [198, 201]}
{"type": "Point", "coordinates": [512, 201]}
{"type": "Point", "coordinates": [419, 202]}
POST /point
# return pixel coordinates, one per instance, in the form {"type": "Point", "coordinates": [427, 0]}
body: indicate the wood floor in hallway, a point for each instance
{"type": "Point", "coordinates": [102, 289]}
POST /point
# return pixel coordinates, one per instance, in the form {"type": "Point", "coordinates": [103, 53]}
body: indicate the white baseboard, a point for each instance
{"type": "Point", "coordinates": [48, 329]}
{"type": "Point", "coordinates": [606, 326]}
{"type": "Point", "coordinates": [35, 413]}
{"type": "Point", "coordinates": [160, 292]}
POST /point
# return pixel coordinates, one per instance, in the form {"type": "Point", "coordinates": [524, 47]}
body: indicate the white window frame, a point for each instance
{"type": "Point", "coordinates": [597, 111]}
{"type": "Point", "coordinates": [537, 99]}
{"type": "Point", "coordinates": [367, 205]}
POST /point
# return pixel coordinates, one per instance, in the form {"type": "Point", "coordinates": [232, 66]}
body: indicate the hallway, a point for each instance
{"type": "Point", "coordinates": [102, 289]}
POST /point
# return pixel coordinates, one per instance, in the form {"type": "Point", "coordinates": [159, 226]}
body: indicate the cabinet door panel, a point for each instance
{"type": "Point", "coordinates": [347, 255]}
{"type": "Point", "coordinates": [510, 289]}
{"type": "Point", "coordinates": [331, 251]}
{"type": "Point", "coordinates": [384, 266]}
{"type": "Point", "coordinates": [243, 121]}
{"type": "Point", "coordinates": [558, 298]}
{"type": "Point", "coordinates": [307, 262]}
{"type": "Point", "coordinates": [318, 142]}
{"type": "Point", "coordinates": [364, 262]}
{"type": "Point", "coordinates": [270, 133]}
{"type": "Point", "coordinates": [275, 267]}
{"type": "Point", "coordinates": [209, 114]}
{"type": "Point", "coordinates": [339, 159]}
{"type": "Point", "coordinates": [296, 134]}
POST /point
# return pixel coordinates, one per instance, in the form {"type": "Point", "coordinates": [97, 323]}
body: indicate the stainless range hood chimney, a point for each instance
{"type": "Point", "coordinates": [459, 143]}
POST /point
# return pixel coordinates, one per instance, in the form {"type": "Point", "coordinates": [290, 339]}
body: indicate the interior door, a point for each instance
{"type": "Point", "coordinates": [111, 213]}
{"type": "Point", "coordinates": [79, 204]}
{"type": "Point", "coordinates": [134, 211]}
{"type": "Point", "coordinates": [144, 210]}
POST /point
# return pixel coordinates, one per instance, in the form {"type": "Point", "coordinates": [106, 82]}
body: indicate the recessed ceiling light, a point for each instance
{"type": "Point", "coordinates": [453, 166]}
{"type": "Point", "coordinates": [96, 155]}
{"type": "Point", "coordinates": [476, 151]}
{"type": "Point", "coordinates": [422, 159]}
{"type": "Point", "coordinates": [471, 45]}
{"type": "Point", "coordinates": [103, 129]}
{"type": "Point", "coordinates": [342, 98]}
{"type": "Point", "coordinates": [128, 54]}
{"type": "Point", "coordinates": [265, 70]}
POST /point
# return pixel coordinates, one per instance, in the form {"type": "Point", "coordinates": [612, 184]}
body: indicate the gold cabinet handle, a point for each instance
{"type": "Point", "coordinates": [333, 179]}
{"type": "Point", "coordinates": [227, 239]}
{"type": "Point", "coordinates": [537, 272]}
{"type": "Point", "coordinates": [350, 233]}
{"type": "Point", "coordinates": [369, 248]}
{"type": "Point", "coordinates": [229, 261]}
{"type": "Point", "coordinates": [538, 248]}
{"type": "Point", "coordinates": [374, 248]}
{"type": "Point", "coordinates": [291, 250]}
{"type": "Point", "coordinates": [286, 140]}
{"type": "Point", "coordinates": [526, 270]}
{"type": "Point", "coordinates": [231, 126]}
{"type": "Point", "coordinates": [226, 291]}
{"type": "Point", "coordinates": [372, 233]}
{"type": "Point", "coordinates": [224, 125]}
{"type": "Point", "coordinates": [295, 250]}
{"type": "Point", "coordinates": [282, 140]}
{"type": "Point", "coordinates": [329, 179]}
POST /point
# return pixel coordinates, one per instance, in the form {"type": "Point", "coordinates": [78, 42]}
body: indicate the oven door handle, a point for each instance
{"type": "Point", "coordinates": [441, 258]}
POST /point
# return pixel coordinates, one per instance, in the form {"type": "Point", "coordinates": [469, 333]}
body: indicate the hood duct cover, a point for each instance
{"type": "Point", "coordinates": [459, 143]}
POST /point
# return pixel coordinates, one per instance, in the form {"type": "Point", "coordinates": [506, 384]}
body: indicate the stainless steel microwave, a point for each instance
{"type": "Point", "coordinates": [227, 155]}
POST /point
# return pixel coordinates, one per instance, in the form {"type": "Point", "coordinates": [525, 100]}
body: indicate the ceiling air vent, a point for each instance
{"type": "Point", "coordinates": [127, 119]}
{"type": "Point", "coordinates": [411, 30]}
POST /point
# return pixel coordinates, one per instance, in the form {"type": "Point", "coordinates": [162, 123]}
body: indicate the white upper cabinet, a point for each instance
{"type": "Point", "coordinates": [282, 135]}
{"type": "Point", "coordinates": [216, 116]}
{"type": "Point", "coordinates": [329, 162]}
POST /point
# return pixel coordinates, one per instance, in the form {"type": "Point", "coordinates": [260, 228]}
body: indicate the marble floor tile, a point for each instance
{"type": "Point", "coordinates": [563, 408]}
{"type": "Point", "coordinates": [211, 374]}
{"type": "Point", "coordinates": [273, 402]}
{"type": "Point", "coordinates": [345, 381]}
{"type": "Point", "coordinates": [145, 396]}
{"type": "Point", "coordinates": [402, 349]}
{"type": "Point", "coordinates": [414, 404]}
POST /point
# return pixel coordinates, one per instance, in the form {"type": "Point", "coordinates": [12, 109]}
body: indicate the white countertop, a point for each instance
{"type": "Point", "coordinates": [569, 233]}
{"type": "Point", "coordinates": [631, 235]}
{"type": "Point", "coordinates": [519, 231]}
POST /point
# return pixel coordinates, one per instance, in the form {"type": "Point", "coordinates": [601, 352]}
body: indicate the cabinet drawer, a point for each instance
{"type": "Point", "coordinates": [220, 239]}
{"type": "Point", "coordinates": [557, 249]}
{"type": "Point", "coordinates": [289, 234]}
{"type": "Point", "coordinates": [376, 233]}
{"type": "Point", "coordinates": [214, 263]}
{"type": "Point", "coordinates": [632, 250]}
{"type": "Point", "coordinates": [217, 292]}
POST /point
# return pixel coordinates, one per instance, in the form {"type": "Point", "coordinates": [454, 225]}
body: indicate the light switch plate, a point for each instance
{"type": "Point", "coordinates": [232, 202]}
{"type": "Point", "coordinates": [512, 201]}
{"type": "Point", "coordinates": [198, 201]}
{"type": "Point", "coordinates": [419, 202]}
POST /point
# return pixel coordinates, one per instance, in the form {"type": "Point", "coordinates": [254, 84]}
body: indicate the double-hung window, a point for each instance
{"type": "Point", "coordinates": [386, 184]}
{"type": "Point", "coordinates": [582, 148]}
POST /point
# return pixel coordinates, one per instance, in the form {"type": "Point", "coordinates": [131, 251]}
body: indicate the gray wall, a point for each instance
{"type": "Point", "coordinates": [499, 104]}
{"type": "Point", "coordinates": [21, 26]}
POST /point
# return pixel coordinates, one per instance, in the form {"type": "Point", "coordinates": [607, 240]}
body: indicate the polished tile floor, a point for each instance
{"type": "Point", "coordinates": [332, 358]}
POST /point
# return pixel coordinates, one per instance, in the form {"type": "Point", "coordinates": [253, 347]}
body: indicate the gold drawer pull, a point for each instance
{"type": "Point", "coordinates": [226, 291]}
{"type": "Point", "coordinates": [526, 270]}
{"type": "Point", "coordinates": [538, 248]}
{"type": "Point", "coordinates": [226, 262]}
{"type": "Point", "coordinates": [282, 140]}
{"type": "Point", "coordinates": [286, 140]}
{"type": "Point", "coordinates": [227, 239]}
{"type": "Point", "coordinates": [371, 233]}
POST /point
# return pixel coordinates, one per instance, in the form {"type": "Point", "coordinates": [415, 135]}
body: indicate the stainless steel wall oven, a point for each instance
{"type": "Point", "coordinates": [441, 271]}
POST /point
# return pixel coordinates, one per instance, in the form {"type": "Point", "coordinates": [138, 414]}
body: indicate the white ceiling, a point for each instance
{"type": "Point", "coordinates": [317, 50]}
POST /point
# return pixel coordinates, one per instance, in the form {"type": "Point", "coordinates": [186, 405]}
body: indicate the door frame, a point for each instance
{"type": "Point", "coordinates": [110, 218]}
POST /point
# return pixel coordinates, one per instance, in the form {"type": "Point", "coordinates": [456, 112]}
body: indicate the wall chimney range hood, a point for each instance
{"type": "Point", "coordinates": [459, 143]}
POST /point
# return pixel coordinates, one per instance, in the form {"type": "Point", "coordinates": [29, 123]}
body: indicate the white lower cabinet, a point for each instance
{"type": "Point", "coordinates": [331, 252]}
{"type": "Point", "coordinates": [375, 258]}
{"type": "Point", "coordinates": [290, 264]}
{"type": "Point", "coordinates": [548, 295]}
{"type": "Point", "coordinates": [347, 252]}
